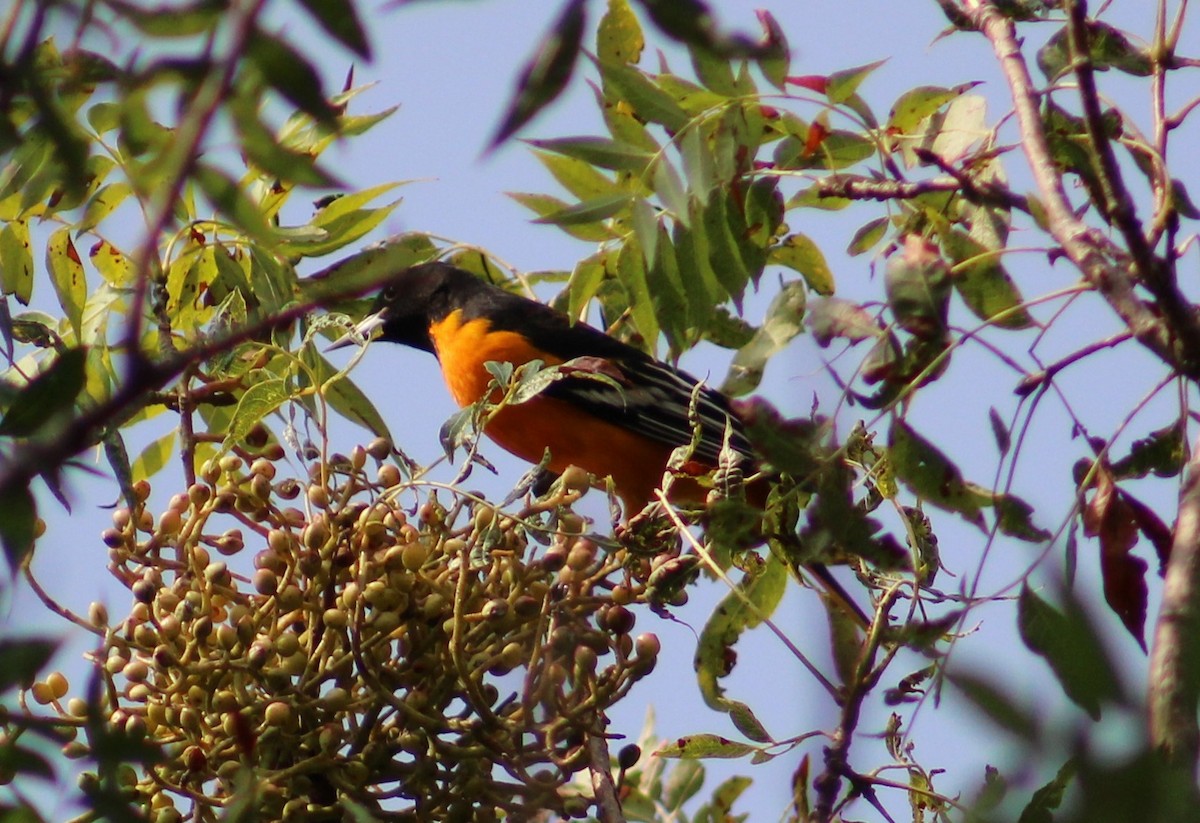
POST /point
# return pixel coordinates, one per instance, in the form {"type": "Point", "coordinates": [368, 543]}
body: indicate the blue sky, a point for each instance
{"type": "Point", "coordinates": [451, 67]}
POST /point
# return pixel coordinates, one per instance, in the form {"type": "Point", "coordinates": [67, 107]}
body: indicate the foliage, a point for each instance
{"type": "Point", "coordinates": [400, 649]}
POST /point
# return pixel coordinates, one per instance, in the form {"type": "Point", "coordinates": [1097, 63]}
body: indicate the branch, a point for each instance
{"type": "Point", "coordinates": [35, 457]}
{"type": "Point", "coordinates": [180, 160]}
{"type": "Point", "coordinates": [857, 687]}
{"type": "Point", "coordinates": [1174, 659]}
{"type": "Point", "coordinates": [608, 803]}
{"type": "Point", "coordinates": [856, 188]}
{"type": "Point", "coordinates": [1118, 207]}
{"type": "Point", "coordinates": [1103, 264]}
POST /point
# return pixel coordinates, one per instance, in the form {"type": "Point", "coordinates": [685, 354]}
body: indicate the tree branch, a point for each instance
{"type": "Point", "coordinates": [608, 803]}
{"type": "Point", "coordinates": [856, 188]}
{"type": "Point", "coordinates": [1175, 657]}
{"type": "Point", "coordinates": [1155, 273]}
{"type": "Point", "coordinates": [39, 456]}
{"type": "Point", "coordinates": [1103, 264]}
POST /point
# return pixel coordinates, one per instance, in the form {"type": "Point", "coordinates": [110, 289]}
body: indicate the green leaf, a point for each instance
{"type": "Point", "coordinates": [579, 178]}
{"type": "Point", "coordinates": [703, 291]}
{"type": "Point", "coordinates": [366, 270]}
{"type": "Point", "coordinates": [1068, 642]}
{"type": "Point", "coordinates": [648, 101]}
{"type": "Point", "coordinates": [103, 203]}
{"type": "Point", "coordinates": [720, 809]}
{"type": "Point", "coordinates": [599, 151]}
{"type": "Point", "coordinates": [931, 475]}
{"type": "Point", "coordinates": [545, 76]}
{"type": "Point", "coordinates": [1050, 796]}
{"type": "Point", "coordinates": [45, 396]}
{"type": "Point", "coordinates": [667, 293]}
{"type": "Point", "coordinates": [798, 252]}
{"type": "Point", "coordinates": [1108, 47]}
{"type": "Point", "coordinates": [698, 746]}
{"type": "Point", "coordinates": [619, 38]}
{"type": "Point", "coordinates": [585, 281]}
{"type": "Point", "coordinates": [18, 517]}
{"type": "Point", "coordinates": [836, 317]}
{"type": "Point", "coordinates": [341, 229]}
{"type": "Point", "coordinates": [838, 149]}
{"type": "Point", "coordinates": [292, 75]}
{"type": "Point", "coordinates": [670, 191]}
{"type": "Point", "coordinates": [104, 117]}
{"type": "Point", "coordinates": [682, 784]}
{"type": "Point", "coordinates": [229, 198]}
{"type": "Point", "coordinates": [983, 282]}
{"type": "Point", "coordinates": [154, 457]}
{"type": "Point", "coordinates": [867, 236]}
{"type": "Point", "coordinates": [22, 660]}
{"type": "Point", "coordinates": [174, 20]}
{"type": "Point", "coordinates": [1163, 453]}
{"type": "Point", "coordinates": [842, 85]}
{"type": "Point", "coordinates": [915, 105]}
{"type": "Point", "coordinates": [339, 18]}
{"type": "Point", "coordinates": [631, 271]}
{"type": "Point", "coordinates": [589, 211]}
{"type": "Point", "coordinates": [262, 398]}
{"type": "Point", "coordinates": [264, 150]}
{"type": "Point", "coordinates": [16, 261]}
{"type": "Point", "coordinates": [544, 205]}
{"type": "Point", "coordinates": [723, 251]}
{"type": "Point", "coordinates": [784, 320]}
{"type": "Point", "coordinates": [994, 702]}
{"type": "Point", "coordinates": [695, 100]}
{"type": "Point", "coordinates": [67, 276]}
{"type": "Point", "coordinates": [917, 282]}
{"type": "Point", "coordinates": [755, 599]}
{"type": "Point", "coordinates": [1015, 518]}
{"type": "Point", "coordinates": [714, 70]}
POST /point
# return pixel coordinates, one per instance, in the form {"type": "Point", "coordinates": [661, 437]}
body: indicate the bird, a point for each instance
{"type": "Point", "coordinates": [615, 411]}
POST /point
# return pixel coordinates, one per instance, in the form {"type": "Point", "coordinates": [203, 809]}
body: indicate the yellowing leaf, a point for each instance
{"type": "Point", "coordinates": [67, 275]}
{"type": "Point", "coordinates": [799, 252]}
{"type": "Point", "coordinates": [619, 38]}
{"type": "Point", "coordinates": [16, 261]}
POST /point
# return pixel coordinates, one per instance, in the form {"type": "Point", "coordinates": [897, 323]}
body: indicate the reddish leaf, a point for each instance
{"type": "Point", "coordinates": [812, 82]}
{"type": "Point", "coordinates": [1110, 517]}
{"type": "Point", "coordinates": [817, 133]}
{"type": "Point", "coordinates": [1151, 525]}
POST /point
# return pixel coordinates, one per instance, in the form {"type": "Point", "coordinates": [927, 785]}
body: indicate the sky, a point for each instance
{"type": "Point", "coordinates": [451, 66]}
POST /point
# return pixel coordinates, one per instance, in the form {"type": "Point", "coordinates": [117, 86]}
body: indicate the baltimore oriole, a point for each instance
{"type": "Point", "coordinates": [624, 427]}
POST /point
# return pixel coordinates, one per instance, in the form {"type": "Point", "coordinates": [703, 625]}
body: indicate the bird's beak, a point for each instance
{"type": "Point", "coordinates": [364, 332]}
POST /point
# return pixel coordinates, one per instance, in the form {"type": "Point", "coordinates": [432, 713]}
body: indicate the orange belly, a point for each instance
{"type": "Point", "coordinates": [573, 436]}
{"type": "Point", "coordinates": [577, 438]}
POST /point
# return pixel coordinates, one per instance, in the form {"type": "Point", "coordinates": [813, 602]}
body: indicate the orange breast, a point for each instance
{"type": "Point", "coordinates": [573, 436]}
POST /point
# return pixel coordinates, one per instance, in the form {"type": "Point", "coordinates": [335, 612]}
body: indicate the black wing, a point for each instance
{"type": "Point", "coordinates": [654, 398]}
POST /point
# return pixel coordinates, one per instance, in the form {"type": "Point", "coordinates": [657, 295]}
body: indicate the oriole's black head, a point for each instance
{"type": "Point", "coordinates": [418, 297]}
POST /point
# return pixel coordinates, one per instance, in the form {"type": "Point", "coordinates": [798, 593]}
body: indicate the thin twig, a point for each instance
{"type": "Point", "coordinates": [715, 568]}
{"type": "Point", "coordinates": [837, 754]}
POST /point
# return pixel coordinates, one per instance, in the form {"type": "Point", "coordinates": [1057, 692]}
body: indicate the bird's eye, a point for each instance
{"type": "Point", "coordinates": [389, 293]}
